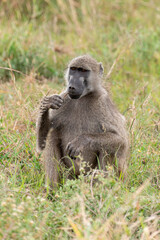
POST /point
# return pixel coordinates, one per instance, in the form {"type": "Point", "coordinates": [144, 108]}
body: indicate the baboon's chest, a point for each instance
{"type": "Point", "coordinates": [80, 121]}
{"type": "Point", "coordinates": [75, 119]}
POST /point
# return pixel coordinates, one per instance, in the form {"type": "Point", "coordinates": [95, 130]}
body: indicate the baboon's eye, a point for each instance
{"type": "Point", "coordinates": [73, 68]}
{"type": "Point", "coordinates": [82, 70]}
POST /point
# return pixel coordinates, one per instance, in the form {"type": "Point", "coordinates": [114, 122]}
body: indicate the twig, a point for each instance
{"type": "Point", "coordinates": [13, 70]}
{"type": "Point", "coordinates": [118, 57]}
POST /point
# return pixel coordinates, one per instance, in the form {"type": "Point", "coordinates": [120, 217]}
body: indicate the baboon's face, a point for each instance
{"type": "Point", "coordinates": [77, 82]}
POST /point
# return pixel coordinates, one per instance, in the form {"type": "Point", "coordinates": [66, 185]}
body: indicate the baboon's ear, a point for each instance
{"type": "Point", "coordinates": [101, 69]}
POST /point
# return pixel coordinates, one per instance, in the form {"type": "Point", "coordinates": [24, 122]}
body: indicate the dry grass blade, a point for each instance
{"type": "Point", "coordinates": [13, 70]}
{"type": "Point", "coordinates": [122, 51]}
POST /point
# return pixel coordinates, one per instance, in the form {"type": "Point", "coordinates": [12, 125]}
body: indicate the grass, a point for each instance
{"type": "Point", "coordinates": [38, 39]}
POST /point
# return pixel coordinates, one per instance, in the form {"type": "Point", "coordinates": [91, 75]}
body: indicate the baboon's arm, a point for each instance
{"type": "Point", "coordinates": [44, 122]}
{"type": "Point", "coordinates": [43, 126]}
{"type": "Point", "coordinates": [109, 142]}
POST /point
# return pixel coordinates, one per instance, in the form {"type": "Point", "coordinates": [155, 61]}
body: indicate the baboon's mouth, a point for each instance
{"type": "Point", "coordinates": [74, 96]}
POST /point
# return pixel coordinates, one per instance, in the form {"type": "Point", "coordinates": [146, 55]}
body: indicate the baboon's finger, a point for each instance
{"type": "Point", "coordinates": [57, 98]}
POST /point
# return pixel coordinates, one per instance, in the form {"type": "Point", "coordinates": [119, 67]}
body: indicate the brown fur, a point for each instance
{"type": "Point", "coordinates": [91, 125]}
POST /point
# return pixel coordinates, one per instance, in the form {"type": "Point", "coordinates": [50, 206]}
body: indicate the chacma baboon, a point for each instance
{"type": "Point", "coordinates": [82, 121]}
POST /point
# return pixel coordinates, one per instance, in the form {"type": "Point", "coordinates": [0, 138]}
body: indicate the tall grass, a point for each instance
{"type": "Point", "coordinates": [38, 38]}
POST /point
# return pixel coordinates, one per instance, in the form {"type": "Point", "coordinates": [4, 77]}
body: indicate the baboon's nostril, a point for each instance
{"type": "Point", "coordinates": [71, 88]}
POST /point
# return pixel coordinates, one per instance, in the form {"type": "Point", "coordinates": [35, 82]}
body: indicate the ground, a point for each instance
{"type": "Point", "coordinates": [38, 38]}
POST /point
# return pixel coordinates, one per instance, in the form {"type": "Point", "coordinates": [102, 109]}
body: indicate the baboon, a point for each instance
{"type": "Point", "coordinates": [81, 121]}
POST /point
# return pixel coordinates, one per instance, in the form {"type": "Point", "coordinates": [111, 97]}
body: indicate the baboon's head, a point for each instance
{"type": "Point", "coordinates": [83, 76]}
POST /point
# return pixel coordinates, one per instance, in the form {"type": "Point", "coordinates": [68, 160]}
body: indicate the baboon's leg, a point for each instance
{"type": "Point", "coordinates": [52, 156]}
{"type": "Point", "coordinates": [87, 158]}
{"type": "Point", "coordinates": [103, 160]}
{"type": "Point", "coordinates": [122, 167]}
{"type": "Point", "coordinates": [73, 166]}
{"type": "Point", "coordinates": [119, 162]}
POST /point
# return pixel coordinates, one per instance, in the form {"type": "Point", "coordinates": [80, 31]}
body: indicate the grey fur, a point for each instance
{"type": "Point", "coordinates": [90, 126]}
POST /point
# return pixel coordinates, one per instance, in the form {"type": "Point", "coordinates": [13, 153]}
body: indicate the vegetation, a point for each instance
{"type": "Point", "coordinates": [38, 38]}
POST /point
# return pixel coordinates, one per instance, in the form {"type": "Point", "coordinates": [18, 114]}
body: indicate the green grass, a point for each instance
{"type": "Point", "coordinates": [38, 38]}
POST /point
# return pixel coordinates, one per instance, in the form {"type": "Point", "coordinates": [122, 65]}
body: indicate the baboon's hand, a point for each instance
{"type": "Point", "coordinates": [73, 150]}
{"type": "Point", "coordinates": [76, 147]}
{"type": "Point", "coordinates": [54, 102]}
